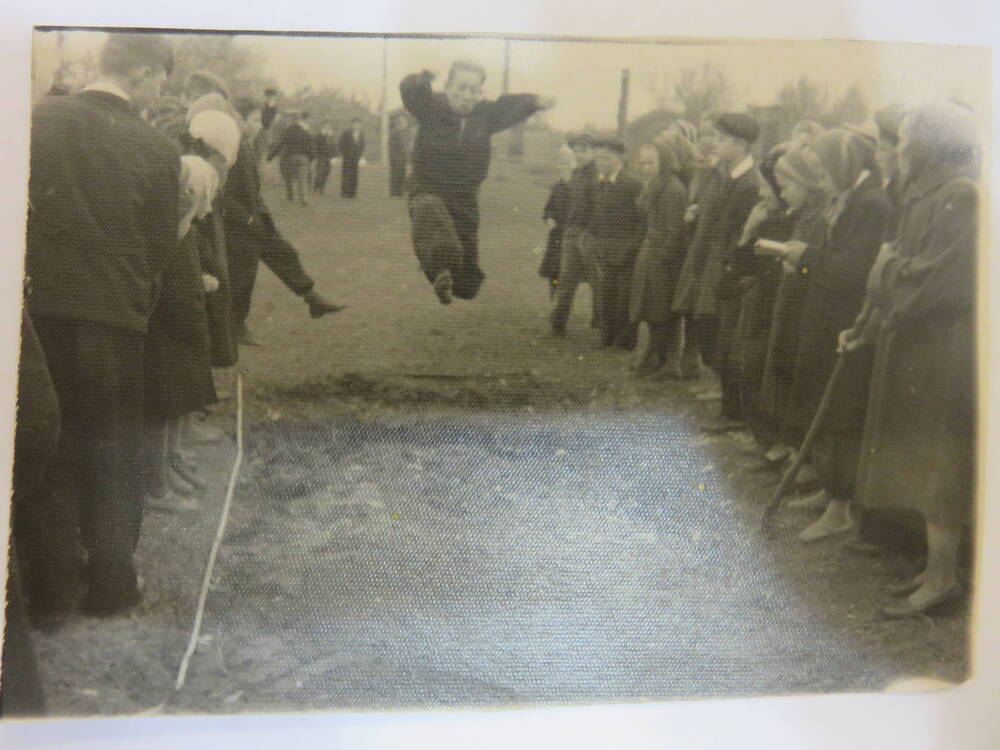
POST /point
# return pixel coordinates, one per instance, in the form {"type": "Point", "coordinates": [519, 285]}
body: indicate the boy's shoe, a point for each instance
{"type": "Point", "coordinates": [442, 287]}
{"type": "Point", "coordinates": [320, 305]}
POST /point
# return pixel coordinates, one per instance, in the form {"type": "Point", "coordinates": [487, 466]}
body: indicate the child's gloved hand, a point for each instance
{"type": "Point", "coordinates": [210, 283]}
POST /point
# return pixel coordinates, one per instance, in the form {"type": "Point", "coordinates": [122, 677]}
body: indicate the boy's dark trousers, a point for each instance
{"type": "Point", "coordinates": [446, 237]}
{"type": "Point", "coordinates": [322, 175]}
{"type": "Point", "coordinates": [247, 248]}
{"type": "Point", "coordinates": [615, 289]}
{"type": "Point", "coordinates": [94, 485]}
{"type": "Point", "coordinates": [349, 178]}
{"type": "Point", "coordinates": [577, 264]}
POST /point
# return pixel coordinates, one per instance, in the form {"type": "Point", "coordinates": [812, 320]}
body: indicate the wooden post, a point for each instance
{"type": "Point", "coordinates": [515, 140]}
{"type": "Point", "coordinates": [384, 105]}
{"type": "Point", "coordinates": [623, 104]}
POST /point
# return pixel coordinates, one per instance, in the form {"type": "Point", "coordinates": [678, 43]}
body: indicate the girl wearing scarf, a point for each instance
{"type": "Point", "coordinates": [857, 216]}
{"type": "Point", "coordinates": [800, 178]}
{"type": "Point", "coordinates": [919, 443]}
{"type": "Point", "coordinates": [664, 201]}
{"type": "Point", "coordinates": [759, 278]}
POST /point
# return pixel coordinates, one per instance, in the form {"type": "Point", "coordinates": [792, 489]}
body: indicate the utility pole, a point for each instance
{"type": "Point", "coordinates": [384, 103]}
{"type": "Point", "coordinates": [623, 104]}
{"type": "Point", "coordinates": [515, 144]}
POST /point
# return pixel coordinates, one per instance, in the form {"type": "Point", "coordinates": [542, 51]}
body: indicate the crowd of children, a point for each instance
{"type": "Point", "coordinates": [838, 269]}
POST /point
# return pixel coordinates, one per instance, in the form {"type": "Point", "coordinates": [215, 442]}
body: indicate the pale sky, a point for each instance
{"type": "Point", "coordinates": [584, 76]}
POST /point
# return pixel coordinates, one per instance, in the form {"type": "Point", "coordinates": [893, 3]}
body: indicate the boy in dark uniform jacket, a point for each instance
{"type": "Point", "coordinates": [102, 223]}
{"type": "Point", "coordinates": [617, 225]}
{"type": "Point", "coordinates": [451, 158]}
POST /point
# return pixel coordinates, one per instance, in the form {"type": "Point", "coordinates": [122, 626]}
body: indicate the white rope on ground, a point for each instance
{"type": "Point", "coordinates": [219, 533]}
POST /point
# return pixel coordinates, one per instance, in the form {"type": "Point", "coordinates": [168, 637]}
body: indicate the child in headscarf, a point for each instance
{"type": "Point", "coordinates": [759, 279]}
{"type": "Point", "coordinates": [799, 176]}
{"type": "Point", "coordinates": [919, 446]}
{"type": "Point", "coordinates": [857, 217]}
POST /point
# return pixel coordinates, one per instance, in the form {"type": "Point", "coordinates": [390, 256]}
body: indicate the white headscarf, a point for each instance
{"type": "Point", "coordinates": [199, 186]}
{"type": "Point", "coordinates": [219, 131]}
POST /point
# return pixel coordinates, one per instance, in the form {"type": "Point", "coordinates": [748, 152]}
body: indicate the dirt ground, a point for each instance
{"type": "Point", "coordinates": [441, 506]}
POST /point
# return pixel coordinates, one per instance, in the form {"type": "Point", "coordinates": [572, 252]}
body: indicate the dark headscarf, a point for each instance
{"type": "Point", "coordinates": [844, 154]}
{"type": "Point", "coordinates": [942, 132]}
{"type": "Point", "coordinates": [767, 167]}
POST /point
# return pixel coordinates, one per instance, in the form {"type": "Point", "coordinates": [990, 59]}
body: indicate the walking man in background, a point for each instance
{"type": "Point", "coordinates": [296, 148]}
{"type": "Point", "coordinates": [352, 148]}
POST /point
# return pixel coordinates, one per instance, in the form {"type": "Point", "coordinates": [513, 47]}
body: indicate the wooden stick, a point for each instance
{"type": "Point", "coordinates": [807, 443]}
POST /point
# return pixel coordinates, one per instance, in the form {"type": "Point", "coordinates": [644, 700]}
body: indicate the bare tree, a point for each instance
{"type": "Point", "coordinates": [850, 109]}
{"type": "Point", "coordinates": [803, 100]}
{"type": "Point", "coordinates": [694, 91]}
{"type": "Point", "coordinates": [701, 90]}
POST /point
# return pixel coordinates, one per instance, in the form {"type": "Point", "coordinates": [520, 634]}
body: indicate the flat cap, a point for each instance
{"type": "Point", "coordinates": [612, 144]}
{"type": "Point", "coordinates": [738, 125]}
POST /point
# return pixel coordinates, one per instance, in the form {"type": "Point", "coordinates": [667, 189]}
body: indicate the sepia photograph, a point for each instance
{"type": "Point", "coordinates": [431, 371]}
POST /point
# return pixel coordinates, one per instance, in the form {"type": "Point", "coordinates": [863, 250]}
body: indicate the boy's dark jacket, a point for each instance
{"type": "Point", "coordinates": [617, 224]}
{"type": "Point", "coordinates": [448, 160]}
{"type": "Point", "coordinates": [104, 192]}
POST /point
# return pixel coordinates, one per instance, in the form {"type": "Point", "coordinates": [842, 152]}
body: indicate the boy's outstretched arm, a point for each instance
{"type": "Point", "coordinates": [512, 109]}
{"type": "Point", "coordinates": [417, 95]}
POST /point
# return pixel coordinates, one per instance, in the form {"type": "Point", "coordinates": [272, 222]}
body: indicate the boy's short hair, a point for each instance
{"type": "Point", "coordinates": [206, 82]}
{"type": "Point", "coordinates": [124, 52]}
{"type": "Point", "coordinates": [470, 66]}
{"type": "Point", "coordinates": [270, 92]}
{"type": "Point", "coordinates": [614, 145]}
{"type": "Point", "coordinates": [583, 139]}
{"type": "Point", "coordinates": [356, 120]}
{"type": "Point", "coordinates": [738, 125]}
{"type": "Point", "coordinates": [304, 115]}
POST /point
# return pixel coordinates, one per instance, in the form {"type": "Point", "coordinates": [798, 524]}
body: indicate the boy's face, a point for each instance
{"type": "Point", "coordinates": [584, 154]}
{"type": "Point", "coordinates": [708, 138]}
{"type": "Point", "coordinates": [904, 150]}
{"type": "Point", "coordinates": [794, 194]}
{"type": "Point", "coordinates": [730, 150]}
{"type": "Point", "coordinates": [885, 157]}
{"type": "Point", "coordinates": [649, 162]}
{"type": "Point", "coordinates": [607, 161]}
{"type": "Point", "coordinates": [464, 90]}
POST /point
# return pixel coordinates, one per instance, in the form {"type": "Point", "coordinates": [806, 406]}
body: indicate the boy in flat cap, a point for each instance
{"type": "Point", "coordinates": [706, 291]}
{"type": "Point", "coordinates": [617, 225]}
{"type": "Point", "coordinates": [577, 262]}
{"type": "Point", "coordinates": [451, 158]}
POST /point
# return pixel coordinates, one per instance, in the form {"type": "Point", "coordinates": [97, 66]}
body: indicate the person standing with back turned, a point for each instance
{"type": "Point", "coordinates": [104, 194]}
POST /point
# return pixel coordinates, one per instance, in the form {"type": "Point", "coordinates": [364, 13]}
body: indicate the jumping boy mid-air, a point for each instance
{"type": "Point", "coordinates": [451, 158]}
